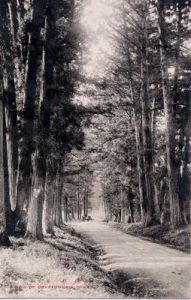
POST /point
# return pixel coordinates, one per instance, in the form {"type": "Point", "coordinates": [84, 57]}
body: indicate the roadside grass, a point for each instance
{"type": "Point", "coordinates": [63, 266]}
{"type": "Point", "coordinates": [175, 238]}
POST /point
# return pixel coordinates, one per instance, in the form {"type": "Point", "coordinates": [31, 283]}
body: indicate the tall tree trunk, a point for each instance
{"type": "Point", "coordinates": [43, 121]}
{"type": "Point", "coordinates": [153, 129]}
{"type": "Point", "coordinates": [10, 94]}
{"type": "Point", "coordinates": [110, 214]}
{"type": "Point", "coordinates": [11, 139]}
{"type": "Point", "coordinates": [149, 205]}
{"type": "Point", "coordinates": [78, 203]}
{"type": "Point", "coordinates": [139, 147]}
{"type": "Point", "coordinates": [58, 207]}
{"type": "Point", "coordinates": [175, 214]}
{"type": "Point", "coordinates": [73, 210]}
{"type": "Point", "coordinates": [48, 208]}
{"type": "Point", "coordinates": [139, 162]}
{"type": "Point", "coordinates": [4, 240]}
{"type": "Point", "coordinates": [106, 210]}
{"type": "Point", "coordinates": [20, 188]}
{"type": "Point", "coordinates": [182, 145]}
{"type": "Point", "coordinates": [85, 204]}
{"type": "Point", "coordinates": [150, 212]}
{"type": "Point", "coordinates": [119, 215]}
{"type": "Point", "coordinates": [66, 208]}
{"type": "Point", "coordinates": [123, 214]}
{"type": "Point", "coordinates": [34, 65]}
{"type": "Point", "coordinates": [131, 207]}
{"type": "Point", "coordinates": [34, 225]}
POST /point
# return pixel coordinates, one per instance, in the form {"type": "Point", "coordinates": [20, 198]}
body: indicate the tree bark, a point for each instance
{"type": "Point", "coordinates": [11, 89]}
{"type": "Point", "coordinates": [131, 207]}
{"type": "Point", "coordinates": [153, 130]}
{"type": "Point", "coordinates": [12, 140]}
{"type": "Point", "coordinates": [66, 208]}
{"type": "Point", "coordinates": [58, 207]}
{"type": "Point", "coordinates": [4, 240]}
{"type": "Point", "coordinates": [139, 146]}
{"type": "Point", "coordinates": [34, 225]}
{"type": "Point", "coordinates": [175, 214]}
{"type": "Point", "coordinates": [139, 162]}
{"type": "Point", "coordinates": [48, 208]}
{"type": "Point", "coordinates": [34, 66]}
{"type": "Point", "coordinates": [78, 204]}
{"type": "Point", "coordinates": [150, 217]}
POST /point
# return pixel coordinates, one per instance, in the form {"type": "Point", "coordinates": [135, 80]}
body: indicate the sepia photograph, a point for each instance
{"type": "Point", "coordinates": [95, 143]}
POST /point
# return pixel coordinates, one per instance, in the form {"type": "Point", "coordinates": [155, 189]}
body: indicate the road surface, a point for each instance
{"type": "Point", "coordinates": [162, 271]}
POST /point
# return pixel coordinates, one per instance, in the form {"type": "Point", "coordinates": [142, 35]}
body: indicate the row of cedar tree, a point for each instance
{"type": "Point", "coordinates": [147, 83]}
{"type": "Point", "coordinates": [40, 61]}
{"type": "Point", "coordinates": [146, 174]}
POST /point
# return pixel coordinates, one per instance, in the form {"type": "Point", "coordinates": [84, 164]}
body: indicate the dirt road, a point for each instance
{"type": "Point", "coordinates": [138, 264]}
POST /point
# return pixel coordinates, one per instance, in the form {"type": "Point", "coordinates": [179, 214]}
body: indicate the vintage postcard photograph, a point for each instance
{"type": "Point", "coordinates": [95, 141]}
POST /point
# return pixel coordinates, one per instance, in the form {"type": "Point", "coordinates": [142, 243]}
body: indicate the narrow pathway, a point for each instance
{"type": "Point", "coordinates": [164, 271]}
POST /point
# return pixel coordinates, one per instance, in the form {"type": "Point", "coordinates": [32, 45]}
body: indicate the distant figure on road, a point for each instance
{"type": "Point", "coordinates": [87, 218]}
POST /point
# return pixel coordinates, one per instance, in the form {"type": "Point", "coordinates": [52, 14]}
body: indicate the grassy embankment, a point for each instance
{"type": "Point", "coordinates": [63, 266]}
{"type": "Point", "coordinates": [177, 238]}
